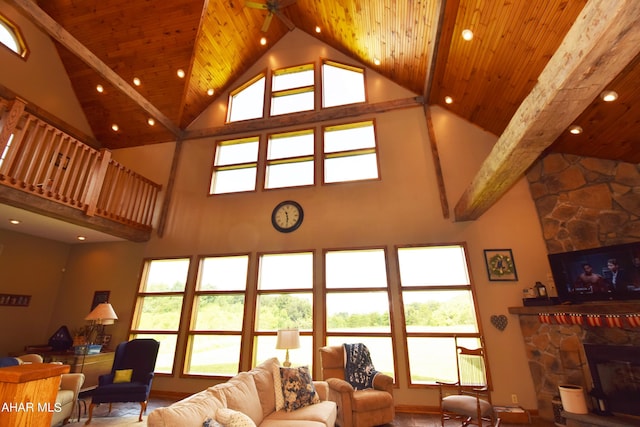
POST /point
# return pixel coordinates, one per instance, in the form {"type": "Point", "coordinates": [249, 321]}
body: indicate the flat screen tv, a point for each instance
{"type": "Point", "coordinates": [598, 274]}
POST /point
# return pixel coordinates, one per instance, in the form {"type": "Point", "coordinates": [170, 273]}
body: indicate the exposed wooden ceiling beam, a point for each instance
{"type": "Point", "coordinates": [603, 40]}
{"type": "Point", "coordinates": [55, 30]}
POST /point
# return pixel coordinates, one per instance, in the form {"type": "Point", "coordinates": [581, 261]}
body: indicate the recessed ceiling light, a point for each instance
{"type": "Point", "coordinates": [575, 129]}
{"type": "Point", "coordinates": [318, 30]}
{"type": "Point", "coordinates": [99, 88]}
{"type": "Point", "coordinates": [376, 61]}
{"type": "Point", "coordinates": [151, 121]}
{"type": "Point", "coordinates": [448, 100]}
{"type": "Point", "coordinates": [467, 34]}
{"type": "Point", "coordinates": [136, 81]}
{"type": "Point", "coordinates": [115, 127]}
{"type": "Point", "coordinates": [14, 221]}
{"type": "Point", "coordinates": [609, 95]}
{"type": "Point", "coordinates": [181, 73]}
{"type": "Point", "coordinates": [210, 92]}
{"type": "Point", "coordinates": [82, 238]}
{"type": "Point", "coordinates": [263, 41]}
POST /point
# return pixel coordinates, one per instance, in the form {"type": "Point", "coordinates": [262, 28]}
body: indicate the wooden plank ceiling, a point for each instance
{"type": "Point", "coordinates": [214, 41]}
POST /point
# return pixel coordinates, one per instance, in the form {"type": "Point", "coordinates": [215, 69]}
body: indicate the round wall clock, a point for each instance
{"type": "Point", "coordinates": [287, 216]}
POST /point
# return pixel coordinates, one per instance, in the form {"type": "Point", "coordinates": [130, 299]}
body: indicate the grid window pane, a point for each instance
{"type": "Point", "coordinates": [286, 271]}
{"type": "Point", "coordinates": [161, 313]}
{"type": "Point", "coordinates": [288, 145]}
{"type": "Point", "coordinates": [299, 101]}
{"type": "Point", "coordinates": [219, 312]}
{"type": "Point", "coordinates": [286, 310]}
{"type": "Point", "coordinates": [292, 174]}
{"type": "Point", "coordinates": [349, 137]}
{"type": "Point", "coordinates": [341, 85]}
{"type": "Point", "coordinates": [435, 265]}
{"type": "Point", "coordinates": [439, 311]}
{"type": "Point", "coordinates": [234, 180]}
{"type": "Point", "coordinates": [248, 103]}
{"type": "Point", "coordinates": [293, 78]}
{"type": "Point", "coordinates": [167, 275]}
{"type": "Point", "coordinates": [214, 355]}
{"type": "Point", "coordinates": [380, 348]}
{"type": "Point", "coordinates": [350, 168]}
{"type": "Point", "coordinates": [358, 312]}
{"type": "Point", "coordinates": [224, 273]}
{"type": "Point", "coordinates": [356, 269]}
{"type": "Point", "coordinates": [237, 152]}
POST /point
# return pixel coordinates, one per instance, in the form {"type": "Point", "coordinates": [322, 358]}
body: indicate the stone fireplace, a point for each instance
{"type": "Point", "coordinates": [554, 338]}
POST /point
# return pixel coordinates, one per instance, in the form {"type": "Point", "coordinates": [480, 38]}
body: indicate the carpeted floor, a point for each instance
{"type": "Point", "coordinates": [126, 414]}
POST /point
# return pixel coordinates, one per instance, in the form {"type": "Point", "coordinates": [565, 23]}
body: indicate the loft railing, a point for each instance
{"type": "Point", "coordinates": [40, 159]}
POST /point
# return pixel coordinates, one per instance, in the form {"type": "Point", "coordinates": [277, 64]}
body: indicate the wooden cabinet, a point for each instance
{"type": "Point", "coordinates": [91, 365]}
{"type": "Point", "coordinates": [28, 394]}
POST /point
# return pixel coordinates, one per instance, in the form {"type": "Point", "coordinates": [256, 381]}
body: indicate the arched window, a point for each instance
{"type": "Point", "coordinates": [11, 37]}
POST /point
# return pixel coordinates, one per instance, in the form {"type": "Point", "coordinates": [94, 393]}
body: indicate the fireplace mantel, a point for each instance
{"type": "Point", "coordinates": [606, 307]}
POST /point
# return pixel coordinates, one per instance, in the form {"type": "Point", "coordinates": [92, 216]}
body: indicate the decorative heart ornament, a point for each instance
{"type": "Point", "coordinates": [500, 322]}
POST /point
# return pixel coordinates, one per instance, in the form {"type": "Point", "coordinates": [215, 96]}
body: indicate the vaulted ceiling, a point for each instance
{"type": "Point", "coordinates": [418, 43]}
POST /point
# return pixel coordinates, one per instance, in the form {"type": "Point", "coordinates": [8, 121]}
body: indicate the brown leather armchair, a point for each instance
{"type": "Point", "coordinates": [356, 408]}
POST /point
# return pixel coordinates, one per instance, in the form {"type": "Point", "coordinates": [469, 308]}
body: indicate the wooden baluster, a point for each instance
{"type": "Point", "coordinates": [96, 179]}
{"type": "Point", "coordinates": [10, 121]}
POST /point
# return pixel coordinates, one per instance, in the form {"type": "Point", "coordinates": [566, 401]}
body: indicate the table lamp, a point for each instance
{"type": "Point", "coordinates": [102, 315]}
{"type": "Point", "coordinates": [288, 339]}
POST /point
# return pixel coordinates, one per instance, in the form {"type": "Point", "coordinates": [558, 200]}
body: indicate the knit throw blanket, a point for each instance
{"type": "Point", "coordinates": [358, 368]}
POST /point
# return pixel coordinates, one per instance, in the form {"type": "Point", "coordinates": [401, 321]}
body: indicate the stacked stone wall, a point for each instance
{"type": "Point", "coordinates": [585, 203]}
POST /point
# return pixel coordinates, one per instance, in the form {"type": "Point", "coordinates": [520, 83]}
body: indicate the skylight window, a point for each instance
{"type": "Point", "coordinates": [11, 37]}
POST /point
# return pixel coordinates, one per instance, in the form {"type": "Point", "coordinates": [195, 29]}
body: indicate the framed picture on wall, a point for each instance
{"type": "Point", "coordinates": [500, 265]}
{"type": "Point", "coordinates": [99, 297]}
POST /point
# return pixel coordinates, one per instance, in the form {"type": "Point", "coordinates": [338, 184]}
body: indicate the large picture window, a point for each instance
{"type": "Point", "coordinates": [217, 316]}
{"type": "Point", "coordinates": [292, 90]}
{"type": "Point", "coordinates": [290, 159]}
{"type": "Point", "coordinates": [235, 166]}
{"type": "Point", "coordinates": [159, 307]}
{"type": "Point", "coordinates": [439, 310]}
{"type": "Point", "coordinates": [360, 275]}
{"type": "Point", "coordinates": [350, 152]}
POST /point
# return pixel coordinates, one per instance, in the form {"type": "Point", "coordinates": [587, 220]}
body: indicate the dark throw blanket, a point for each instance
{"type": "Point", "coordinates": [358, 369]}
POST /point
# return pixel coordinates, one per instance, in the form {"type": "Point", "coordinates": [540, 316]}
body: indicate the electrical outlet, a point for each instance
{"type": "Point", "coordinates": [514, 398]}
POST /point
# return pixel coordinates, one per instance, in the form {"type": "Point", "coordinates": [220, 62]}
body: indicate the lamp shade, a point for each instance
{"type": "Point", "coordinates": [103, 314]}
{"type": "Point", "coordinates": [288, 338]}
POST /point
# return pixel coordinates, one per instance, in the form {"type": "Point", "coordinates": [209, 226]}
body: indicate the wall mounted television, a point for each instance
{"type": "Point", "coordinates": [592, 275]}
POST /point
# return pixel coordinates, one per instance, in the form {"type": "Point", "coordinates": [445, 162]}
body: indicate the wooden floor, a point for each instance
{"type": "Point", "coordinates": [401, 420]}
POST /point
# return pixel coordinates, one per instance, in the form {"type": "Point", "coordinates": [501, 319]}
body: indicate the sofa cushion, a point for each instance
{"type": "Point", "coordinates": [298, 388]}
{"type": "Point", "coordinates": [230, 418]}
{"type": "Point", "coordinates": [188, 412]}
{"type": "Point", "coordinates": [240, 394]}
{"type": "Point", "coordinates": [323, 413]}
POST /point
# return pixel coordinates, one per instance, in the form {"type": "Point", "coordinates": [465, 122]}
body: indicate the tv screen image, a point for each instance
{"type": "Point", "coordinates": [598, 274]}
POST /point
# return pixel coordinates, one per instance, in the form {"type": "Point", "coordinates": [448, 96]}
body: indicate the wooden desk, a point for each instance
{"type": "Point", "coordinates": [28, 394]}
{"type": "Point", "coordinates": [94, 365]}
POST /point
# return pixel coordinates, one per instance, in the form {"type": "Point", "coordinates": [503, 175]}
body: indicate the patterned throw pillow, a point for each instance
{"type": "Point", "coordinates": [297, 388]}
{"type": "Point", "coordinates": [230, 418]}
{"type": "Point", "coordinates": [277, 385]}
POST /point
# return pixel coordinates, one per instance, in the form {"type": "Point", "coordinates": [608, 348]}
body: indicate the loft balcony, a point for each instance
{"type": "Point", "coordinates": [47, 171]}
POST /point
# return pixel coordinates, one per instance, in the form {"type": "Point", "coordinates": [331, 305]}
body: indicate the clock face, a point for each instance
{"type": "Point", "coordinates": [287, 216]}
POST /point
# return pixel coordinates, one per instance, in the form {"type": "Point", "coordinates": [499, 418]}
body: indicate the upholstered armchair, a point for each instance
{"type": "Point", "coordinates": [67, 397]}
{"type": "Point", "coordinates": [356, 408]}
{"type": "Point", "coordinates": [131, 375]}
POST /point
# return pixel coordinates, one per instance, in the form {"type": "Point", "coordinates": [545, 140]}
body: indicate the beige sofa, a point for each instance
{"type": "Point", "coordinates": [256, 394]}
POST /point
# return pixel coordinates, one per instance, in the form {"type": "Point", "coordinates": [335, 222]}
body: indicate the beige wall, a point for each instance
{"type": "Point", "coordinates": [401, 208]}
{"type": "Point", "coordinates": [29, 266]}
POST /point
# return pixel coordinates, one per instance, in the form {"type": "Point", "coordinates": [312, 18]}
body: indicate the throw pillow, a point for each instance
{"type": "Point", "coordinates": [298, 388]}
{"type": "Point", "coordinates": [122, 376]}
{"type": "Point", "coordinates": [230, 418]}
{"type": "Point", "coordinates": [277, 386]}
